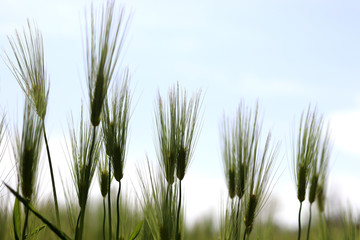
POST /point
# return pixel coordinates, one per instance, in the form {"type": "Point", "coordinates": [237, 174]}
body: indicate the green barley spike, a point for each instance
{"type": "Point", "coordinates": [250, 213]}
{"type": "Point", "coordinates": [302, 183]}
{"type": "Point", "coordinates": [231, 183]}
{"type": "Point", "coordinates": [181, 162]}
{"type": "Point", "coordinates": [313, 188]}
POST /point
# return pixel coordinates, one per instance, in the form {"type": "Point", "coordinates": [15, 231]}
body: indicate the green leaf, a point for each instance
{"type": "Point", "coordinates": [136, 231]}
{"type": "Point", "coordinates": [17, 220]}
{"type": "Point", "coordinates": [35, 231]}
{"type": "Point", "coordinates": [57, 231]}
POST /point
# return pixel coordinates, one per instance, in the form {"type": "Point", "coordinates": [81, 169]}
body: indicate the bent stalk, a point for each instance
{"type": "Point", "coordinates": [118, 212]}
{"type": "Point", "coordinates": [52, 178]}
{"type": "Point", "coordinates": [178, 214]}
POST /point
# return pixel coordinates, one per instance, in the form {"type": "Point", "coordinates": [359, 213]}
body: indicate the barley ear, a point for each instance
{"type": "Point", "coordinates": [28, 151]}
{"type": "Point", "coordinates": [181, 163]}
{"type": "Point", "coordinates": [313, 188]}
{"type": "Point", "coordinates": [302, 183]}
{"type": "Point", "coordinates": [103, 175]}
{"type": "Point", "coordinates": [29, 67]}
{"type": "Point", "coordinates": [250, 213]}
{"type": "Point", "coordinates": [103, 48]}
{"type": "Point", "coordinates": [320, 197]}
{"type": "Point", "coordinates": [240, 186]}
{"type": "Point", "coordinates": [231, 183]}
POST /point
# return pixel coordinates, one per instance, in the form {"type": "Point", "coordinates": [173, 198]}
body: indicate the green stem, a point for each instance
{"type": "Point", "coordinates": [52, 178]}
{"type": "Point", "coordinates": [104, 219]}
{"type": "Point", "coordinates": [25, 223]}
{"type": "Point", "coordinates": [118, 211]}
{"type": "Point", "coordinates": [309, 225]}
{"type": "Point", "coordinates": [238, 222]}
{"type": "Point", "coordinates": [178, 213]}
{"type": "Point", "coordinates": [299, 222]}
{"type": "Point", "coordinates": [109, 202]}
{"type": "Point", "coordinates": [77, 226]}
{"type": "Point", "coordinates": [244, 238]}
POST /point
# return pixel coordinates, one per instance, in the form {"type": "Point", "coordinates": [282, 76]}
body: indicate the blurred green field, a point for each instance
{"type": "Point", "coordinates": [343, 226]}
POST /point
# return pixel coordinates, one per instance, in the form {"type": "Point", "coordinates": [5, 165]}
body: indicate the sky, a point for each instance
{"type": "Point", "coordinates": [283, 54]}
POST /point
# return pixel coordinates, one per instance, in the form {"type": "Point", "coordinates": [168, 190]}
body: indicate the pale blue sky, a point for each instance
{"type": "Point", "coordinates": [285, 54]}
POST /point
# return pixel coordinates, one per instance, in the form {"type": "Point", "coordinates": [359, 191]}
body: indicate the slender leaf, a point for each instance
{"type": "Point", "coordinates": [17, 220]}
{"type": "Point", "coordinates": [136, 231]}
{"type": "Point", "coordinates": [57, 231]}
{"type": "Point", "coordinates": [35, 231]}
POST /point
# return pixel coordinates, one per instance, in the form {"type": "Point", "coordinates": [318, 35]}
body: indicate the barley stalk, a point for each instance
{"type": "Point", "coordinates": [30, 72]}
{"type": "Point", "coordinates": [115, 122]}
{"type": "Point", "coordinates": [305, 152]}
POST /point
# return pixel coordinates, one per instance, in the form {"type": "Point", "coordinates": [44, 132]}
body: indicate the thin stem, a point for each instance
{"type": "Point", "coordinates": [299, 222]}
{"type": "Point", "coordinates": [109, 202]}
{"type": "Point", "coordinates": [77, 226]}
{"type": "Point", "coordinates": [309, 225]}
{"type": "Point", "coordinates": [104, 219]}
{"type": "Point", "coordinates": [25, 223]}
{"type": "Point", "coordinates": [52, 178]}
{"type": "Point", "coordinates": [244, 238]}
{"type": "Point", "coordinates": [178, 213]}
{"type": "Point", "coordinates": [237, 222]}
{"type": "Point", "coordinates": [118, 212]}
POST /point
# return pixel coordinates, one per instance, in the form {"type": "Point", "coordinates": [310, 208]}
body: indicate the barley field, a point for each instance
{"type": "Point", "coordinates": [92, 193]}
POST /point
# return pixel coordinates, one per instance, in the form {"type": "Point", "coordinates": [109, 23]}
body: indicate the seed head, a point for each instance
{"type": "Point", "coordinates": [231, 184]}
{"type": "Point", "coordinates": [181, 162]}
{"type": "Point", "coordinates": [103, 49]}
{"type": "Point", "coordinates": [29, 67]}
{"type": "Point", "coordinates": [117, 163]}
{"type": "Point", "coordinates": [177, 128]}
{"type": "Point", "coordinates": [320, 197]}
{"type": "Point", "coordinates": [82, 169]}
{"type": "Point", "coordinates": [104, 182]}
{"type": "Point", "coordinates": [302, 183]}
{"type": "Point", "coordinates": [99, 95]}
{"type": "Point", "coordinates": [306, 151]}
{"type": "Point", "coordinates": [250, 213]}
{"type": "Point", "coordinates": [28, 150]}
{"type": "Point", "coordinates": [240, 186]}
{"type": "Point", "coordinates": [313, 188]}
{"type": "Point", "coordinates": [115, 123]}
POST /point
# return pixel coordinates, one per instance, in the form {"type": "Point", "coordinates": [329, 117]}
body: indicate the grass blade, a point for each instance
{"type": "Point", "coordinates": [35, 231]}
{"type": "Point", "coordinates": [136, 231]}
{"type": "Point", "coordinates": [17, 220]}
{"type": "Point", "coordinates": [57, 231]}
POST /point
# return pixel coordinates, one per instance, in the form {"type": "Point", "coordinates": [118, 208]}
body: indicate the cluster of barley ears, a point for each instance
{"type": "Point", "coordinates": [115, 122]}
{"type": "Point", "coordinates": [29, 70]}
{"type": "Point", "coordinates": [248, 168]}
{"type": "Point", "coordinates": [177, 121]}
{"type": "Point", "coordinates": [105, 38]}
{"type": "Point", "coordinates": [100, 143]}
{"type": "Point", "coordinates": [311, 158]}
